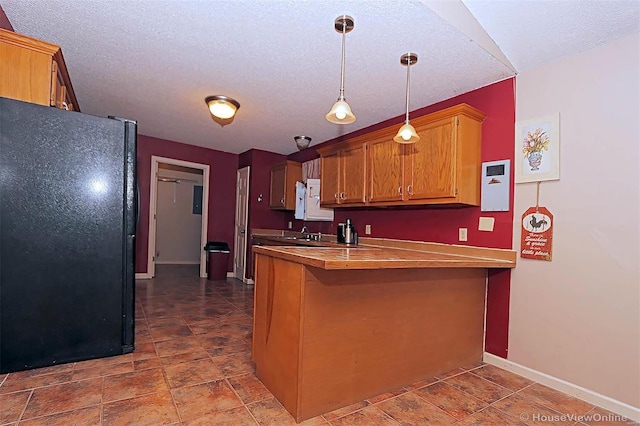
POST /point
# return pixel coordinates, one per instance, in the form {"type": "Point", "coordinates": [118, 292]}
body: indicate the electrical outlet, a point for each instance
{"type": "Point", "coordinates": [290, 224]}
{"type": "Point", "coordinates": [367, 229]}
{"type": "Point", "coordinates": [462, 234]}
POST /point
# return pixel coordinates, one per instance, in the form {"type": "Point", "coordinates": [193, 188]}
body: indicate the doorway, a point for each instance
{"type": "Point", "coordinates": [171, 181]}
{"type": "Point", "coordinates": [241, 234]}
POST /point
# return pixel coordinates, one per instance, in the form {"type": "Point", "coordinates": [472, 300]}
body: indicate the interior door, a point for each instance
{"type": "Point", "coordinates": [241, 232]}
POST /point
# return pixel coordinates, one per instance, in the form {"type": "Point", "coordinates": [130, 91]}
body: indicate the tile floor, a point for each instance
{"type": "Point", "coordinates": [192, 366]}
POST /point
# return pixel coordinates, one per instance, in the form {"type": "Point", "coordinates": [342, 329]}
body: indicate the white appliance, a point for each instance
{"type": "Point", "coordinates": [495, 186]}
{"type": "Point", "coordinates": [308, 202]}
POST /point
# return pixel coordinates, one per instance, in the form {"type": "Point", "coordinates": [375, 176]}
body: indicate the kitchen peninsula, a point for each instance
{"type": "Point", "coordinates": [336, 325]}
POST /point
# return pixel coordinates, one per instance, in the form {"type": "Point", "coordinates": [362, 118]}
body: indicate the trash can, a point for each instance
{"type": "Point", "coordinates": [217, 260]}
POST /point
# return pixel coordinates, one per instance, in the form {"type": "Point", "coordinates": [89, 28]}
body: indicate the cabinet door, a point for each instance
{"type": "Point", "coordinates": [430, 162]}
{"type": "Point", "coordinates": [384, 171]}
{"type": "Point", "coordinates": [329, 175]}
{"type": "Point", "coordinates": [276, 194]}
{"type": "Point", "coordinates": [352, 162]}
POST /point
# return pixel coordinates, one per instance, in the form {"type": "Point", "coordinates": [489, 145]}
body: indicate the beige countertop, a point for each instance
{"type": "Point", "coordinates": [368, 256]}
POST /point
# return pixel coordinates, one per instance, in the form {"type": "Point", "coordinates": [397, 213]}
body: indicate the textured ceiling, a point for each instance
{"type": "Point", "coordinates": [156, 60]}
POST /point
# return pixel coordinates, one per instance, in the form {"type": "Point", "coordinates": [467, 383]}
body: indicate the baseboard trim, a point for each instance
{"type": "Point", "coordinates": [142, 276]}
{"type": "Point", "coordinates": [177, 262]}
{"type": "Point", "coordinates": [249, 281]}
{"type": "Point", "coordinates": [613, 405]}
{"type": "Point", "coordinates": [230, 275]}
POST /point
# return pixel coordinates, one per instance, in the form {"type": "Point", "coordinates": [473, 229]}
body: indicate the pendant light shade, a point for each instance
{"type": "Point", "coordinates": [302, 142]}
{"type": "Point", "coordinates": [222, 108]}
{"type": "Point", "coordinates": [407, 134]}
{"type": "Point", "coordinates": [340, 112]}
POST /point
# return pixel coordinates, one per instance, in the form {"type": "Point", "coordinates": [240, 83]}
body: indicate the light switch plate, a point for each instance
{"type": "Point", "coordinates": [290, 224]}
{"type": "Point", "coordinates": [367, 229]}
{"type": "Point", "coordinates": [462, 234]}
{"type": "Point", "coordinates": [486, 223]}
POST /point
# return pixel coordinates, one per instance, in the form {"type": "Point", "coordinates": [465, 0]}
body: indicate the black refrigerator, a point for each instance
{"type": "Point", "coordinates": [67, 229]}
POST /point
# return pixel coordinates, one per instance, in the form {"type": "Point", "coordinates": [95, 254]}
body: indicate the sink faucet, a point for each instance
{"type": "Point", "coordinates": [304, 230]}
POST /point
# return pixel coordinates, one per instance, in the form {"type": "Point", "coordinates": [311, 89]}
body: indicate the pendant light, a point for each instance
{"type": "Point", "coordinates": [407, 134]}
{"type": "Point", "coordinates": [340, 112]}
{"type": "Point", "coordinates": [302, 142]}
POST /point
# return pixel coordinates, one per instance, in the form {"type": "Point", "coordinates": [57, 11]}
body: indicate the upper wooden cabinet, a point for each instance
{"type": "Point", "coordinates": [443, 167]}
{"type": "Point", "coordinates": [284, 176]}
{"type": "Point", "coordinates": [342, 177]}
{"type": "Point", "coordinates": [34, 71]}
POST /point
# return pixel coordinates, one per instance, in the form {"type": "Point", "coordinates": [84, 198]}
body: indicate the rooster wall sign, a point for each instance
{"type": "Point", "coordinates": [537, 234]}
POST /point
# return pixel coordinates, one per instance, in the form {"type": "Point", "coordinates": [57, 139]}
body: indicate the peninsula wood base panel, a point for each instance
{"type": "Point", "coordinates": [324, 339]}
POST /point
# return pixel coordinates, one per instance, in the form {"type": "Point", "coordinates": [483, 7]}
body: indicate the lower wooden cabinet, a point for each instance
{"type": "Point", "coordinates": [443, 167]}
{"type": "Point", "coordinates": [282, 195]}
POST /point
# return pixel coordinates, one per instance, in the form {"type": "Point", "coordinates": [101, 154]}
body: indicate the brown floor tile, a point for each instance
{"type": "Point", "coordinates": [386, 395]}
{"type": "Point", "coordinates": [491, 416]}
{"type": "Point", "coordinates": [65, 397]}
{"type": "Point", "coordinates": [144, 351]}
{"type": "Point", "coordinates": [201, 400]}
{"type": "Point", "coordinates": [555, 400]}
{"type": "Point", "coordinates": [450, 399]}
{"type": "Point", "coordinates": [101, 362]}
{"type": "Point", "coordinates": [601, 417]}
{"type": "Point", "coordinates": [482, 389]}
{"type": "Point", "coordinates": [12, 405]}
{"type": "Point", "coordinates": [233, 365]}
{"type": "Point", "coordinates": [228, 350]}
{"type": "Point", "coordinates": [89, 416]}
{"type": "Point", "coordinates": [269, 412]}
{"type": "Point", "coordinates": [192, 373]}
{"type": "Point", "coordinates": [166, 322]}
{"type": "Point", "coordinates": [198, 353]}
{"type": "Point", "coordinates": [209, 341]}
{"type": "Point", "coordinates": [472, 365]}
{"type": "Point", "coordinates": [369, 416]}
{"type": "Point", "coordinates": [14, 383]}
{"type": "Point", "coordinates": [449, 373]}
{"type": "Point", "coordinates": [409, 409]}
{"type": "Point", "coordinates": [166, 333]}
{"type": "Point", "coordinates": [178, 346]}
{"type": "Point", "coordinates": [60, 368]}
{"type": "Point", "coordinates": [105, 370]}
{"type": "Point", "coordinates": [421, 384]}
{"type": "Point", "coordinates": [249, 388]}
{"type": "Point", "coordinates": [528, 411]}
{"type": "Point", "coordinates": [341, 412]}
{"type": "Point", "coordinates": [145, 364]}
{"type": "Point", "coordinates": [129, 385]}
{"type": "Point", "coordinates": [235, 417]}
{"type": "Point", "coordinates": [151, 410]}
{"type": "Point", "coordinates": [502, 377]}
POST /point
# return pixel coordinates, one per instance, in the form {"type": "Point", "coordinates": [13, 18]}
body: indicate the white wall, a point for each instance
{"type": "Point", "coordinates": [178, 229]}
{"type": "Point", "coordinates": [578, 317]}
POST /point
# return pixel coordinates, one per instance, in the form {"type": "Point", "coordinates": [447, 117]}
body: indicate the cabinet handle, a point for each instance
{"type": "Point", "coordinates": [335, 195]}
{"type": "Point", "coordinates": [282, 201]}
{"type": "Point", "coordinates": [409, 190]}
{"type": "Point", "coordinates": [400, 190]}
{"type": "Point", "coordinates": [342, 197]}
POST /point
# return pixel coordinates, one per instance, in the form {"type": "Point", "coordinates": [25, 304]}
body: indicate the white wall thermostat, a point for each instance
{"type": "Point", "coordinates": [496, 183]}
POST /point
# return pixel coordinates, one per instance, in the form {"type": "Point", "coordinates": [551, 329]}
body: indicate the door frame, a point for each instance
{"type": "Point", "coordinates": [153, 206]}
{"type": "Point", "coordinates": [241, 251]}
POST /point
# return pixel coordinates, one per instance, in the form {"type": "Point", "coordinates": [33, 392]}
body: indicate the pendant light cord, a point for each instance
{"type": "Point", "coordinates": [406, 120]}
{"type": "Point", "coordinates": [344, 33]}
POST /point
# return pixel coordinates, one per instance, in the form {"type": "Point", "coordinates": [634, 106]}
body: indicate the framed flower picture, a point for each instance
{"type": "Point", "coordinates": [537, 156]}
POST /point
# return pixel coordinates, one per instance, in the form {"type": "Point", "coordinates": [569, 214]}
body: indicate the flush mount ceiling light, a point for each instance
{"type": "Point", "coordinates": [302, 142]}
{"type": "Point", "coordinates": [340, 112]}
{"type": "Point", "coordinates": [407, 134]}
{"type": "Point", "coordinates": [222, 108]}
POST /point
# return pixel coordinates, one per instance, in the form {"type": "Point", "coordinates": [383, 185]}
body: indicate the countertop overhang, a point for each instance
{"type": "Point", "coordinates": [423, 255]}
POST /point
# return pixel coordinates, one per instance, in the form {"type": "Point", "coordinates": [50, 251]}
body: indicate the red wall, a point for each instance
{"type": "Point", "coordinates": [222, 190]}
{"type": "Point", "coordinates": [441, 224]}
{"type": "Point", "coordinates": [260, 215]}
{"type": "Point", "coordinates": [4, 21]}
